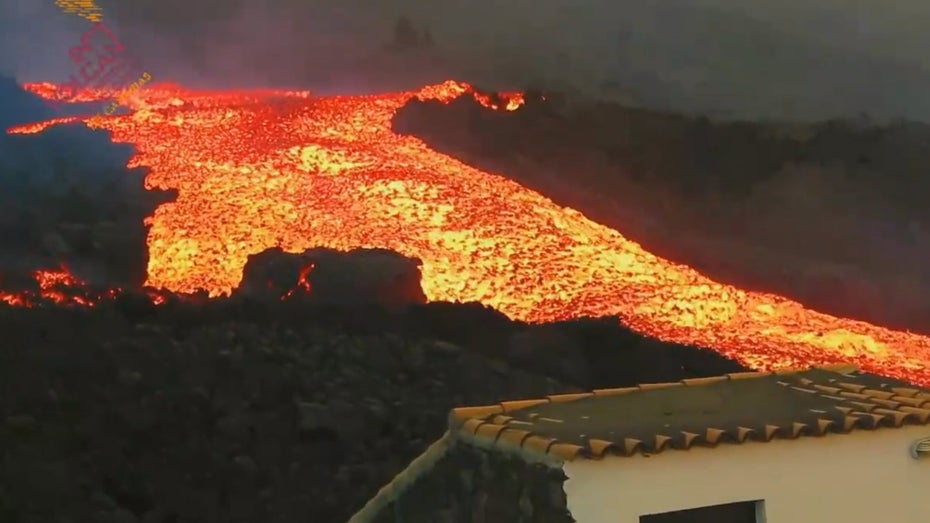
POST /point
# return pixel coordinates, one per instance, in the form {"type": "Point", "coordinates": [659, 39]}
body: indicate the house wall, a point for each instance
{"type": "Point", "coordinates": [863, 477]}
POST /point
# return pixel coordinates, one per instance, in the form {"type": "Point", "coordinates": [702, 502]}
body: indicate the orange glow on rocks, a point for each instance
{"type": "Point", "coordinates": [260, 169]}
{"type": "Point", "coordinates": [56, 286]}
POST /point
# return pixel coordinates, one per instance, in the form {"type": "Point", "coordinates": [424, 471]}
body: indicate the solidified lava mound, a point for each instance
{"type": "Point", "coordinates": [360, 277]}
{"type": "Point", "coordinates": [262, 169]}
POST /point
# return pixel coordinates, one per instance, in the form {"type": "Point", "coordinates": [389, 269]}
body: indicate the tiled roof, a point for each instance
{"type": "Point", "coordinates": [756, 406]}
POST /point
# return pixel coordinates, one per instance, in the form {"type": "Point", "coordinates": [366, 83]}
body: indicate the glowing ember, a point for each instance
{"type": "Point", "coordinates": [59, 287]}
{"type": "Point", "coordinates": [303, 284]}
{"type": "Point", "coordinates": [35, 128]}
{"type": "Point", "coordinates": [258, 170]}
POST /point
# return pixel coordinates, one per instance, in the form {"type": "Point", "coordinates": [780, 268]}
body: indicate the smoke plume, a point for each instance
{"type": "Point", "coordinates": [794, 60]}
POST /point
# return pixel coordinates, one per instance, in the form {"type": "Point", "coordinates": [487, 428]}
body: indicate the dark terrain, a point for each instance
{"type": "Point", "coordinates": [261, 410]}
{"type": "Point", "coordinates": [66, 197]}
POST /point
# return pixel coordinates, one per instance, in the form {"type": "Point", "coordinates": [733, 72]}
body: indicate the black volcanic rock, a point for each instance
{"type": "Point", "coordinates": [19, 107]}
{"type": "Point", "coordinates": [246, 410]}
{"type": "Point", "coordinates": [279, 421]}
{"type": "Point", "coordinates": [357, 278]}
{"type": "Point", "coordinates": [66, 196]}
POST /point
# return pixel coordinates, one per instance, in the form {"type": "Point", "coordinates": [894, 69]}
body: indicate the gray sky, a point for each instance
{"type": "Point", "coordinates": [790, 59]}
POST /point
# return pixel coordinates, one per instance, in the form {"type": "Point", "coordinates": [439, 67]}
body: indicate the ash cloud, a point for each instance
{"type": "Point", "coordinates": [34, 40]}
{"type": "Point", "coordinates": [329, 47]}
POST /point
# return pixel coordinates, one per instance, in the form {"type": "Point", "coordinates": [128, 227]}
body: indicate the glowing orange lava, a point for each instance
{"type": "Point", "coordinates": [57, 287]}
{"type": "Point", "coordinates": [261, 169]}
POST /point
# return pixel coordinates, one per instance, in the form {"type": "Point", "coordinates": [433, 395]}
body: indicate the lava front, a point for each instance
{"type": "Point", "coordinates": [261, 169]}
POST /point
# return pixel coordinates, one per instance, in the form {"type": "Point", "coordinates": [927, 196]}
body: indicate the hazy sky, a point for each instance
{"type": "Point", "coordinates": [787, 59]}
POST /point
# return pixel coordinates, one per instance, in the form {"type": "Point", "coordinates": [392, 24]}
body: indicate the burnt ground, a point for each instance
{"type": "Point", "coordinates": [249, 408]}
{"type": "Point", "coordinates": [830, 214]}
{"type": "Point", "coordinates": [261, 410]}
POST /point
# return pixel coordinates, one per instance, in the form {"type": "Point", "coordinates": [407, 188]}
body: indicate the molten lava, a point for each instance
{"type": "Point", "coordinates": [58, 287]}
{"type": "Point", "coordinates": [261, 169]}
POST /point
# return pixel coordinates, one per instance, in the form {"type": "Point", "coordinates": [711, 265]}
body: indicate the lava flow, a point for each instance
{"type": "Point", "coordinates": [57, 287]}
{"type": "Point", "coordinates": [261, 169]}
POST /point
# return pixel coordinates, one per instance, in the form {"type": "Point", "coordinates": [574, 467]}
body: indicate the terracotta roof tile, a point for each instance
{"type": "Point", "coordinates": [688, 439]}
{"type": "Point", "coordinates": [742, 433]}
{"type": "Point", "coordinates": [899, 417]}
{"type": "Point", "coordinates": [489, 430]}
{"type": "Point", "coordinates": [599, 446]}
{"type": "Point", "coordinates": [849, 422]}
{"type": "Point", "coordinates": [731, 409]}
{"type": "Point", "coordinates": [513, 437]}
{"type": "Point", "coordinates": [540, 444]}
{"type": "Point", "coordinates": [881, 394]}
{"type": "Point", "coordinates": [565, 451]}
{"type": "Point", "coordinates": [922, 415]}
{"type": "Point", "coordinates": [713, 435]}
{"type": "Point", "coordinates": [911, 402]}
{"type": "Point", "coordinates": [904, 391]}
{"type": "Point", "coordinates": [471, 425]}
{"type": "Point", "coordinates": [824, 425]}
{"type": "Point", "coordinates": [828, 390]}
{"type": "Point", "coordinates": [500, 419]}
{"type": "Point", "coordinates": [855, 387]}
{"type": "Point", "coordinates": [891, 404]}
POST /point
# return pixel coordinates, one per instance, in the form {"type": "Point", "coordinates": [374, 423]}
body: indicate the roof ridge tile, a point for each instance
{"type": "Point", "coordinates": [659, 386]}
{"type": "Point", "coordinates": [615, 392]}
{"type": "Point", "coordinates": [923, 415]}
{"type": "Point", "coordinates": [559, 398]}
{"type": "Point", "coordinates": [510, 406]}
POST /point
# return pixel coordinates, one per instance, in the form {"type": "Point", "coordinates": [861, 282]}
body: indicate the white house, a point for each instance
{"type": "Point", "coordinates": [808, 446]}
